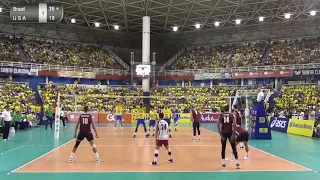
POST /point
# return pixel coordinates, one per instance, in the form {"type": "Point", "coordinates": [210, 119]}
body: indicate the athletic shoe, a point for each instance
{"type": "Point", "coordinates": [134, 136]}
{"type": "Point", "coordinates": [153, 163]}
{"type": "Point", "coordinates": [175, 129]}
{"type": "Point", "coordinates": [246, 158]}
{"type": "Point", "coordinates": [223, 165]}
{"type": "Point", "coordinates": [170, 136]}
{"type": "Point", "coordinates": [98, 160]}
{"type": "Point", "coordinates": [170, 161]}
{"type": "Point", "coordinates": [70, 160]}
{"type": "Point", "coordinates": [238, 166]}
{"type": "Point", "coordinates": [147, 136]}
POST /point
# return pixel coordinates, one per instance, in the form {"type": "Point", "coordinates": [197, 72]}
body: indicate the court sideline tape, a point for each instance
{"type": "Point", "coordinates": [41, 156]}
{"type": "Point", "coordinates": [268, 153]}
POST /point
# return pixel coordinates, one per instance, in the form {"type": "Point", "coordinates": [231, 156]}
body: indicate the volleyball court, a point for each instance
{"type": "Point", "coordinates": [120, 152]}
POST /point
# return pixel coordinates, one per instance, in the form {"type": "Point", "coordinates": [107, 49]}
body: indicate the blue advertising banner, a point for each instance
{"type": "Point", "coordinates": [306, 72]}
{"type": "Point", "coordinates": [19, 70]}
{"type": "Point", "coordinates": [279, 124]}
{"type": "Point", "coordinates": [259, 123]}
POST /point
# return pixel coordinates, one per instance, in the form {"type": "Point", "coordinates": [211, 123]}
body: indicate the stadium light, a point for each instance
{"type": "Point", "coordinates": [238, 21]}
{"type": "Point", "coordinates": [96, 24]}
{"type": "Point", "coordinates": [116, 27]}
{"type": "Point", "coordinates": [261, 19]}
{"type": "Point", "coordinates": [175, 28]}
{"type": "Point", "coordinates": [313, 13]}
{"type": "Point", "coordinates": [73, 20]}
{"type": "Point", "coordinates": [197, 26]}
{"type": "Point", "coordinates": [287, 15]}
{"type": "Point", "coordinates": [217, 24]}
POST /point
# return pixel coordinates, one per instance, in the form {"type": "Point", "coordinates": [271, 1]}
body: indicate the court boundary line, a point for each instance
{"type": "Point", "coordinates": [14, 171]}
{"type": "Point", "coordinates": [110, 172]}
{"type": "Point", "coordinates": [307, 169]}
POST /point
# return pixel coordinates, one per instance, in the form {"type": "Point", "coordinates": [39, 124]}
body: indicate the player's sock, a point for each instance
{"type": "Point", "coordinates": [199, 137]}
{"type": "Point", "coordinates": [72, 155]}
{"type": "Point", "coordinates": [156, 154]}
{"type": "Point", "coordinates": [247, 156]}
{"type": "Point", "coordinates": [170, 155]}
{"type": "Point", "coordinates": [97, 155]}
{"type": "Point", "coordinates": [115, 128]}
{"type": "Point", "coordinates": [134, 134]}
{"type": "Point", "coordinates": [223, 163]}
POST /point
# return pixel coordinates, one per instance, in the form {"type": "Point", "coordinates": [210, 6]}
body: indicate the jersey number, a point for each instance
{"type": "Point", "coordinates": [85, 120]}
{"type": "Point", "coordinates": [226, 120]}
{"type": "Point", "coordinates": [163, 127]}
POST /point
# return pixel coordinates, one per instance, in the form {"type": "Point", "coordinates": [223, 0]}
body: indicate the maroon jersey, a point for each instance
{"type": "Point", "coordinates": [196, 115]}
{"type": "Point", "coordinates": [226, 120]}
{"type": "Point", "coordinates": [238, 118]}
{"type": "Point", "coordinates": [239, 130]}
{"type": "Point", "coordinates": [85, 123]}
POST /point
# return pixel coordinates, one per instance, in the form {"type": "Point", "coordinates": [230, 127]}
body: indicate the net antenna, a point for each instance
{"type": "Point", "coordinates": [57, 119]}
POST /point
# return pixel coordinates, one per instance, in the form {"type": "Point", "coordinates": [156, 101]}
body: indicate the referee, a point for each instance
{"type": "Point", "coordinates": [195, 118]}
{"type": "Point", "coordinates": [6, 122]}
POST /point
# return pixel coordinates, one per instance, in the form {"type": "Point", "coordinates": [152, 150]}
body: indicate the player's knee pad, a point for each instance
{"type": "Point", "coordinates": [94, 146]}
{"type": "Point", "coordinates": [77, 144]}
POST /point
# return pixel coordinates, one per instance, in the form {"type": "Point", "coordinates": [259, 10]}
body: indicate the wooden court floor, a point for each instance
{"type": "Point", "coordinates": [34, 155]}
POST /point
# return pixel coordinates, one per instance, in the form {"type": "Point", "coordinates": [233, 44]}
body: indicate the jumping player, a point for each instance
{"type": "Point", "coordinates": [118, 116]}
{"type": "Point", "coordinates": [141, 114]}
{"type": "Point", "coordinates": [238, 118]}
{"type": "Point", "coordinates": [176, 117]}
{"type": "Point", "coordinates": [241, 135]}
{"type": "Point", "coordinates": [195, 118]}
{"type": "Point", "coordinates": [162, 136]}
{"type": "Point", "coordinates": [226, 128]}
{"type": "Point", "coordinates": [85, 122]}
{"type": "Point", "coordinates": [152, 122]}
{"type": "Point", "coordinates": [167, 117]}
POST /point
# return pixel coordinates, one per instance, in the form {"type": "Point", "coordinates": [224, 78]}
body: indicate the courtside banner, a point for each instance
{"type": "Point", "coordinates": [279, 124]}
{"type": "Point", "coordinates": [210, 117]}
{"type": "Point", "coordinates": [301, 127]}
{"type": "Point", "coordinates": [74, 116]}
{"type": "Point", "coordinates": [76, 74]}
{"type": "Point", "coordinates": [108, 117]}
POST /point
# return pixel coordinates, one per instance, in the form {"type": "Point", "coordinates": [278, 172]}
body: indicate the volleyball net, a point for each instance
{"type": "Point", "coordinates": [101, 107]}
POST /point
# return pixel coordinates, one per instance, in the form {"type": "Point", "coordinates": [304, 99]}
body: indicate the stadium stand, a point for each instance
{"type": "Point", "coordinates": [57, 53]}
{"type": "Point", "coordinates": [297, 98]}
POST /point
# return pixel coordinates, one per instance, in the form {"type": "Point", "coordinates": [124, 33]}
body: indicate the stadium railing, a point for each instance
{"type": "Point", "coordinates": [105, 71]}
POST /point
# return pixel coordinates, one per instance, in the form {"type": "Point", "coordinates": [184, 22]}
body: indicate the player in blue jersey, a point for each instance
{"type": "Point", "coordinates": [176, 117]}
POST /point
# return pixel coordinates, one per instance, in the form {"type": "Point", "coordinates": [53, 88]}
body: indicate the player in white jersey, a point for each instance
{"type": "Point", "coordinates": [162, 136]}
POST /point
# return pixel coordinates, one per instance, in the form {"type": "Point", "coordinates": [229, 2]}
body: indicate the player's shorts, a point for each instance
{"type": "Point", "coordinates": [152, 123]}
{"type": "Point", "coordinates": [140, 121]}
{"type": "Point", "coordinates": [168, 121]}
{"type": "Point", "coordinates": [243, 137]}
{"type": "Point", "coordinates": [175, 120]}
{"type": "Point", "coordinates": [227, 136]}
{"type": "Point", "coordinates": [83, 135]}
{"type": "Point", "coordinates": [118, 117]}
{"type": "Point", "coordinates": [162, 143]}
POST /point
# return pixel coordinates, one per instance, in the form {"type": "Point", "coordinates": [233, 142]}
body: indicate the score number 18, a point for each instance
{"type": "Point", "coordinates": [52, 9]}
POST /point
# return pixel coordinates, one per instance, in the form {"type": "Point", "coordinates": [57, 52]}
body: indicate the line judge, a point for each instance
{"type": "Point", "coordinates": [6, 122]}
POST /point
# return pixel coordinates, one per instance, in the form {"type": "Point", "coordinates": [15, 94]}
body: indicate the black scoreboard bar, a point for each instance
{"type": "Point", "coordinates": [36, 13]}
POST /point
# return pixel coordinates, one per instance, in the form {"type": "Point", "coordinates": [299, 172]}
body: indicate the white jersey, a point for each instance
{"type": "Point", "coordinates": [163, 130]}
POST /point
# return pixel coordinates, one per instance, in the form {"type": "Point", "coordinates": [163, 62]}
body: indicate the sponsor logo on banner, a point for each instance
{"type": "Point", "coordinates": [210, 117]}
{"type": "Point", "coordinates": [17, 70]}
{"type": "Point", "coordinates": [74, 116]}
{"type": "Point", "coordinates": [279, 124]}
{"type": "Point", "coordinates": [76, 74]}
{"type": "Point", "coordinates": [301, 127]}
{"type": "Point", "coordinates": [262, 74]}
{"type": "Point", "coordinates": [306, 72]}
{"type": "Point", "coordinates": [205, 76]}
{"type": "Point", "coordinates": [108, 117]}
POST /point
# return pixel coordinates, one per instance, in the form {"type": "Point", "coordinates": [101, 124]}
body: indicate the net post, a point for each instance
{"type": "Point", "coordinates": [247, 114]}
{"type": "Point", "coordinates": [57, 119]}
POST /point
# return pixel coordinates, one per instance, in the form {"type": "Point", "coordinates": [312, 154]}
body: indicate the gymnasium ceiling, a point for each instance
{"type": "Point", "coordinates": [165, 14]}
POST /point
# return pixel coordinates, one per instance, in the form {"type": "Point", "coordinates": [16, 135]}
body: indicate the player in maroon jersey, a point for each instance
{"type": "Point", "coordinates": [242, 136]}
{"type": "Point", "coordinates": [226, 128]}
{"type": "Point", "coordinates": [195, 119]}
{"type": "Point", "coordinates": [238, 118]}
{"type": "Point", "coordinates": [85, 122]}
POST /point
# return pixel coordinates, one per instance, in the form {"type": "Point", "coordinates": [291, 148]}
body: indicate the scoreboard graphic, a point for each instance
{"type": "Point", "coordinates": [36, 13]}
